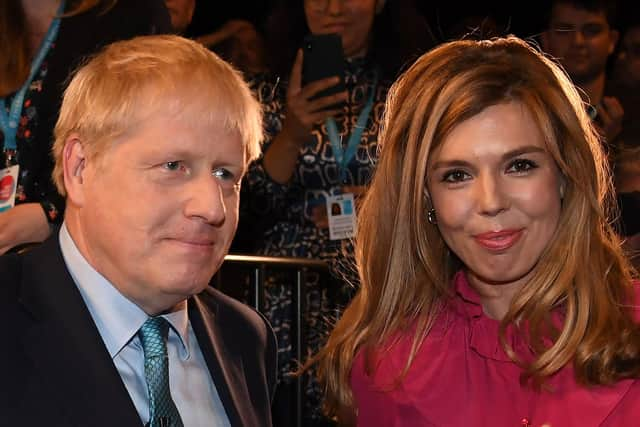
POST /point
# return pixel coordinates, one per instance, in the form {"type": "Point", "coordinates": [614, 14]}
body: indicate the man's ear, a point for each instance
{"type": "Point", "coordinates": [74, 163]}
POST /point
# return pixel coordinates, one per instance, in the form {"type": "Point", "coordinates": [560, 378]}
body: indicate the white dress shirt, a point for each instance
{"type": "Point", "coordinates": [118, 320]}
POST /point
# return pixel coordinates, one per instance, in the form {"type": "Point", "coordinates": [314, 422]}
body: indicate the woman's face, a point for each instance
{"type": "Point", "coordinates": [352, 19]}
{"type": "Point", "coordinates": [497, 194]}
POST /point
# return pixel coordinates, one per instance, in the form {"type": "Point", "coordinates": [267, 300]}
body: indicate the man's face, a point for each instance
{"type": "Point", "coordinates": [628, 64]}
{"type": "Point", "coordinates": [160, 208]}
{"type": "Point", "coordinates": [581, 40]}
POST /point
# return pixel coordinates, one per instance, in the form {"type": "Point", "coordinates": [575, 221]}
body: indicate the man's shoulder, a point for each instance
{"type": "Point", "coordinates": [42, 262]}
{"type": "Point", "coordinates": [230, 310]}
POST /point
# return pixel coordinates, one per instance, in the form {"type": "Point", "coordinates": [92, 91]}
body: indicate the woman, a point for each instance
{"type": "Point", "coordinates": [41, 42]}
{"type": "Point", "coordinates": [493, 289]}
{"type": "Point", "coordinates": [289, 188]}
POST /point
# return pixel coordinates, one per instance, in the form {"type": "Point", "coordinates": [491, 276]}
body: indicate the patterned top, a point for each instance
{"type": "Point", "coordinates": [288, 208]}
{"type": "Point", "coordinates": [25, 136]}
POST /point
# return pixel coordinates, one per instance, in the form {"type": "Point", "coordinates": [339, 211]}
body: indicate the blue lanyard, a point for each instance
{"type": "Point", "coordinates": [343, 157]}
{"type": "Point", "coordinates": [9, 124]}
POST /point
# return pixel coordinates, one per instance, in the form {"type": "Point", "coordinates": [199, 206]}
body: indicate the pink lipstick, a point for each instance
{"type": "Point", "coordinates": [498, 240]}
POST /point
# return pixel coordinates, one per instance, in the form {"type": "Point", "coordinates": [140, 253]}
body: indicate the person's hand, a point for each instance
{"type": "Point", "coordinates": [21, 224]}
{"type": "Point", "coordinates": [610, 115]}
{"type": "Point", "coordinates": [301, 111]}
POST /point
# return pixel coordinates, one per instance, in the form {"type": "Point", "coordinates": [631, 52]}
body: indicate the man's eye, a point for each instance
{"type": "Point", "coordinates": [223, 174]}
{"type": "Point", "coordinates": [564, 29]}
{"type": "Point", "coordinates": [592, 30]}
{"type": "Point", "coordinates": [173, 165]}
{"type": "Point", "coordinates": [455, 176]}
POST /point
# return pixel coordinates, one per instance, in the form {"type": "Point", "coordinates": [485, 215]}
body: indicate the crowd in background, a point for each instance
{"type": "Point", "coordinates": [286, 190]}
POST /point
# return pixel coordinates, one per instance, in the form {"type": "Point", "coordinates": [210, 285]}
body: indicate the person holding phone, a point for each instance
{"type": "Point", "coordinates": [322, 147]}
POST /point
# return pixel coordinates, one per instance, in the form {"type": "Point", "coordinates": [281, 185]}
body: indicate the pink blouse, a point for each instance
{"type": "Point", "coordinates": [461, 376]}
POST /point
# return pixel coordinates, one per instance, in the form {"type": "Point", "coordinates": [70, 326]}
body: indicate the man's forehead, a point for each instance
{"type": "Point", "coordinates": [565, 13]}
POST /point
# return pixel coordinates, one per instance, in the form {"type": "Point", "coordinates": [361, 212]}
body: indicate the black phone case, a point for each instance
{"type": "Point", "coordinates": [323, 57]}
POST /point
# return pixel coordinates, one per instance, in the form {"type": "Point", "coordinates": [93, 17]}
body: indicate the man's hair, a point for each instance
{"type": "Point", "coordinates": [608, 7]}
{"type": "Point", "coordinates": [131, 81]}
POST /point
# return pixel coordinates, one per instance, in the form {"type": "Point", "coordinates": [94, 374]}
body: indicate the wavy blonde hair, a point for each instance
{"type": "Point", "coordinates": [404, 265]}
{"type": "Point", "coordinates": [15, 61]}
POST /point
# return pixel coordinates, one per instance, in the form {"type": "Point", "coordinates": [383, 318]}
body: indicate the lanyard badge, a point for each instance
{"type": "Point", "coordinates": [342, 156]}
{"type": "Point", "coordinates": [8, 185]}
{"type": "Point", "coordinates": [341, 211]}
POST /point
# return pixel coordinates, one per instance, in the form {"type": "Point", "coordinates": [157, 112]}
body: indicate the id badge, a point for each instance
{"type": "Point", "coordinates": [8, 185]}
{"type": "Point", "coordinates": [342, 216]}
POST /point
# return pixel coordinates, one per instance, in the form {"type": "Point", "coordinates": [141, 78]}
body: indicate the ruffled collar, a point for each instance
{"type": "Point", "coordinates": [483, 330]}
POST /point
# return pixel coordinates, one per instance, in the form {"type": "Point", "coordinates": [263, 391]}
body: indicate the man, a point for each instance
{"type": "Point", "coordinates": [110, 322]}
{"type": "Point", "coordinates": [581, 36]}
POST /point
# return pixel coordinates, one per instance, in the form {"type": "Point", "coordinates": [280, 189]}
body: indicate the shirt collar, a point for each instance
{"type": "Point", "coordinates": [117, 318]}
{"type": "Point", "coordinates": [179, 321]}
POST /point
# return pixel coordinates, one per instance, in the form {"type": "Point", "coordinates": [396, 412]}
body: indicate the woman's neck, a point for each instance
{"type": "Point", "coordinates": [496, 297]}
{"type": "Point", "coordinates": [39, 14]}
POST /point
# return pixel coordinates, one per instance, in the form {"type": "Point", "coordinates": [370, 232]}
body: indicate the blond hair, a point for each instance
{"type": "Point", "coordinates": [405, 267]}
{"type": "Point", "coordinates": [133, 80]}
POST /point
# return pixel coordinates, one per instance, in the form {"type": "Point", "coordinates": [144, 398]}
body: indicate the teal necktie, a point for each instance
{"type": "Point", "coordinates": [153, 336]}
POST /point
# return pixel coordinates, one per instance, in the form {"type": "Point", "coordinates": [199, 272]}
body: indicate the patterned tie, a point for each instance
{"type": "Point", "coordinates": [162, 411]}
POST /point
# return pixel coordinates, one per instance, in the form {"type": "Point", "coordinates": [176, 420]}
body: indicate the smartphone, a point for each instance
{"type": "Point", "coordinates": [323, 57]}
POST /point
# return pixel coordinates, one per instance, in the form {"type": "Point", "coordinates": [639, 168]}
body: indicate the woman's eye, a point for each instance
{"type": "Point", "coordinates": [455, 176]}
{"type": "Point", "coordinates": [521, 165]}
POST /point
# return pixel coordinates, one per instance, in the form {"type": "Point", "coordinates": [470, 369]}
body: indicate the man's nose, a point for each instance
{"type": "Point", "coordinates": [206, 200]}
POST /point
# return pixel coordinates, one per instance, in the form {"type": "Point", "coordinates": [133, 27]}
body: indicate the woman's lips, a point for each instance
{"type": "Point", "coordinates": [498, 240]}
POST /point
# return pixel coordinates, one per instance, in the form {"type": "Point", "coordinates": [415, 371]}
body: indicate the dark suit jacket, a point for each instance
{"type": "Point", "coordinates": [55, 369]}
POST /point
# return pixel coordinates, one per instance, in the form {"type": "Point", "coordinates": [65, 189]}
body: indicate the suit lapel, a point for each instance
{"type": "Point", "coordinates": [65, 346]}
{"type": "Point", "coordinates": [225, 370]}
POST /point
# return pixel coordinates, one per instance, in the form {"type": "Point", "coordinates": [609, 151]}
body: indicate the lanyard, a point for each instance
{"type": "Point", "coordinates": [9, 124]}
{"type": "Point", "coordinates": [344, 157]}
